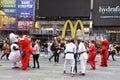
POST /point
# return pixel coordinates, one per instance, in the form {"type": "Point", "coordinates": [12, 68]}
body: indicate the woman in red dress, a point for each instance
{"type": "Point", "coordinates": [92, 54]}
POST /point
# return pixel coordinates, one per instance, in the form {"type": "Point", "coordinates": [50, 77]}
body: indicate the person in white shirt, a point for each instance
{"type": "Point", "coordinates": [111, 51]}
{"type": "Point", "coordinates": [69, 57]}
{"type": "Point", "coordinates": [83, 57]}
{"type": "Point", "coordinates": [36, 53]}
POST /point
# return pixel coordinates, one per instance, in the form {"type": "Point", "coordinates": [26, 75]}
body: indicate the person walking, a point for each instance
{"type": "Point", "coordinates": [92, 54]}
{"type": "Point", "coordinates": [57, 51]}
{"type": "Point", "coordinates": [69, 57]}
{"type": "Point", "coordinates": [6, 49]}
{"type": "Point", "coordinates": [83, 57]}
{"type": "Point", "coordinates": [52, 48]}
{"type": "Point", "coordinates": [46, 48]}
{"type": "Point", "coordinates": [36, 53]}
{"type": "Point", "coordinates": [111, 51]}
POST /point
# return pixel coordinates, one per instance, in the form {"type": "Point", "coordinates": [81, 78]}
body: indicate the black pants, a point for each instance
{"type": "Point", "coordinates": [51, 57]}
{"type": "Point", "coordinates": [111, 53]}
{"type": "Point", "coordinates": [35, 60]}
{"type": "Point", "coordinates": [76, 56]}
{"type": "Point", "coordinates": [7, 55]}
{"type": "Point", "coordinates": [56, 58]}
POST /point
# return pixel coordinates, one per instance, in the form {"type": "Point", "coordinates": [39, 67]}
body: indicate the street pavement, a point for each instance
{"type": "Point", "coordinates": [51, 71]}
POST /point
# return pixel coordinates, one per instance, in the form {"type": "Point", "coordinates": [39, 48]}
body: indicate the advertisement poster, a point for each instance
{"type": "Point", "coordinates": [106, 13]}
{"type": "Point", "coordinates": [25, 14]}
{"type": "Point", "coordinates": [8, 14]}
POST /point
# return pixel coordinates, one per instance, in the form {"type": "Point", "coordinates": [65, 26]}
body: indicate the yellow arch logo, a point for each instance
{"type": "Point", "coordinates": [73, 28]}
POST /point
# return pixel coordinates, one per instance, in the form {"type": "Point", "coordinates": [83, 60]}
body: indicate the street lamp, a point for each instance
{"type": "Point", "coordinates": [90, 27]}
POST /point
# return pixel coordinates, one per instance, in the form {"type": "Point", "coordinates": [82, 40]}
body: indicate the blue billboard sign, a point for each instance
{"type": "Point", "coordinates": [25, 14]}
{"type": "Point", "coordinates": [25, 7]}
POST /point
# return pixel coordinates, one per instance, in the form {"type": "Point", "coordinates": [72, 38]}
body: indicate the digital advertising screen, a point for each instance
{"type": "Point", "coordinates": [106, 13]}
{"type": "Point", "coordinates": [64, 8]}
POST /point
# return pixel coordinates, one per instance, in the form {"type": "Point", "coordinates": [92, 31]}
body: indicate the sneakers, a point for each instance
{"type": "Point", "coordinates": [93, 68]}
{"type": "Point", "coordinates": [49, 60]}
{"type": "Point", "coordinates": [15, 67]}
{"type": "Point", "coordinates": [33, 67]}
{"type": "Point", "coordinates": [82, 74]}
{"type": "Point", "coordinates": [38, 67]}
{"type": "Point", "coordinates": [64, 72]}
{"type": "Point", "coordinates": [72, 75]}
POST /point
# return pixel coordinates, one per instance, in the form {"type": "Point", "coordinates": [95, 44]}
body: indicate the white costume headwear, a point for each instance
{"type": "Point", "coordinates": [13, 37]}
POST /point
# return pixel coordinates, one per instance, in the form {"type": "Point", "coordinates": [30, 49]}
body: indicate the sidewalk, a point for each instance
{"type": "Point", "coordinates": [51, 71]}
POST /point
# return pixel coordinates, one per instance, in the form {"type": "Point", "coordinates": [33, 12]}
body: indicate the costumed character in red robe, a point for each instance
{"type": "Point", "coordinates": [104, 53]}
{"type": "Point", "coordinates": [92, 54]}
{"type": "Point", "coordinates": [25, 44]}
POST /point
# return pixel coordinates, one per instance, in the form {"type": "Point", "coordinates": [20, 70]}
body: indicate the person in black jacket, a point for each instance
{"type": "Point", "coordinates": [53, 50]}
{"type": "Point", "coordinates": [57, 53]}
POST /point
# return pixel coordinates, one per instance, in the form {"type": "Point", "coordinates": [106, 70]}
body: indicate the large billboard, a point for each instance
{"type": "Point", "coordinates": [106, 13]}
{"type": "Point", "coordinates": [8, 16]}
{"type": "Point", "coordinates": [64, 8]}
{"type": "Point", "coordinates": [25, 14]}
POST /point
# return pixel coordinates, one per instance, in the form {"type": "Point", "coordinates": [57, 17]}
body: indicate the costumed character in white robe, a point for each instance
{"type": "Point", "coordinates": [83, 57]}
{"type": "Point", "coordinates": [14, 56]}
{"type": "Point", "coordinates": [69, 57]}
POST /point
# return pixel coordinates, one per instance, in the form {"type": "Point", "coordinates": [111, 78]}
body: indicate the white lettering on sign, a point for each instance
{"type": "Point", "coordinates": [109, 9]}
{"type": "Point", "coordinates": [25, 2]}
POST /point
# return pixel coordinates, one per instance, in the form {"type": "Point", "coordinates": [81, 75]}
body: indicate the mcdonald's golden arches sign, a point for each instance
{"type": "Point", "coordinates": [73, 28]}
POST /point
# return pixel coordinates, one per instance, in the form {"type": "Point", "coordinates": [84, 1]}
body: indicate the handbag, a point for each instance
{"type": "Point", "coordinates": [22, 53]}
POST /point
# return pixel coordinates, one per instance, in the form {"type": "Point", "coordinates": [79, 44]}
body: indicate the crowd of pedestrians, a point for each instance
{"type": "Point", "coordinates": [83, 51]}
{"type": "Point", "coordinates": [74, 51]}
